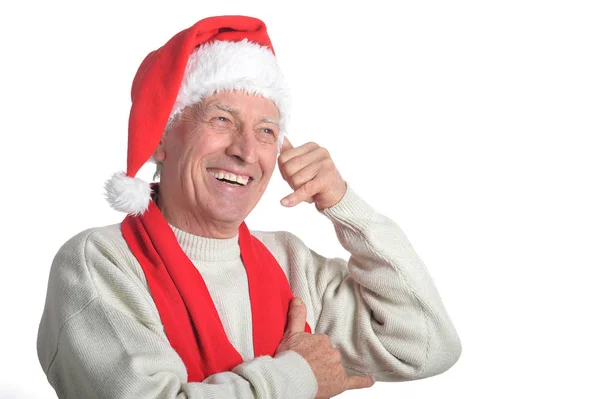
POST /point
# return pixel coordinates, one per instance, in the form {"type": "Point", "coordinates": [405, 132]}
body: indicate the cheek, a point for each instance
{"type": "Point", "coordinates": [269, 161]}
{"type": "Point", "coordinates": [200, 147]}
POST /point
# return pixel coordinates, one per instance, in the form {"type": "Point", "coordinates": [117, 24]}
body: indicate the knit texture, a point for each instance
{"type": "Point", "coordinates": [187, 312]}
{"type": "Point", "coordinates": [101, 336]}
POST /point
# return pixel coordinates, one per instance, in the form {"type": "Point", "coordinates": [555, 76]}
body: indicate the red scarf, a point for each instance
{"type": "Point", "coordinates": [186, 309]}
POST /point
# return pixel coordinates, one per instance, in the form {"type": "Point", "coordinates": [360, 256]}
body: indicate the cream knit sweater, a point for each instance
{"type": "Point", "coordinates": [101, 336]}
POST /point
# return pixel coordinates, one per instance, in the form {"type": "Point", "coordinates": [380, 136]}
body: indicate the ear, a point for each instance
{"type": "Point", "coordinates": [160, 154]}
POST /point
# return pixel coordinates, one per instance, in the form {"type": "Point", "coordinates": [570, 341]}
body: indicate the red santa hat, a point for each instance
{"type": "Point", "coordinates": [216, 54]}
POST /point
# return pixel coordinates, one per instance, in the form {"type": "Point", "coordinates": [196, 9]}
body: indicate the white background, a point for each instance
{"type": "Point", "coordinates": [473, 124]}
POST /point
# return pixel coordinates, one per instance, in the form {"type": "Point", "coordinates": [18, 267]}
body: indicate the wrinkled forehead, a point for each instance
{"type": "Point", "coordinates": [238, 104]}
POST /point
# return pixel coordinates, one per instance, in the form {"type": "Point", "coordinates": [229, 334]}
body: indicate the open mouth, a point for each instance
{"type": "Point", "coordinates": [231, 178]}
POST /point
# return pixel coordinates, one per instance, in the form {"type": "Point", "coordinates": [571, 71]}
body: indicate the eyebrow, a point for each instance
{"type": "Point", "coordinates": [270, 120]}
{"type": "Point", "coordinates": [226, 108]}
{"type": "Point", "coordinates": [235, 112]}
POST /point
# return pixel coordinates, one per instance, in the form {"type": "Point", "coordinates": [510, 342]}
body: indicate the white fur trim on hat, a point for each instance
{"type": "Point", "coordinates": [226, 66]}
{"type": "Point", "coordinates": [128, 194]}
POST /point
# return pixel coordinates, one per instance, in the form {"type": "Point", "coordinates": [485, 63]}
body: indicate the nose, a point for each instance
{"type": "Point", "coordinates": [244, 147]}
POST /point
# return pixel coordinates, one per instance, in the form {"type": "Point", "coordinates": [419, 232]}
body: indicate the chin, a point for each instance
{"type": "Point", "coordinates": [230, 215]}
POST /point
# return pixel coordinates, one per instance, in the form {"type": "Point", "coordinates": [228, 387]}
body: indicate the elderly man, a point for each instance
{"type": "Point", "coordinates": [182, 300]}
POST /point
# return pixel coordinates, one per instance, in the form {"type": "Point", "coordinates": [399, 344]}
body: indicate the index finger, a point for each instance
{"type": "Point", "coordinates": [286, 145]}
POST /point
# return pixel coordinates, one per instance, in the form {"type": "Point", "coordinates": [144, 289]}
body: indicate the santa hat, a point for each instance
{"type": "Point", "coordinates": [216, 54]}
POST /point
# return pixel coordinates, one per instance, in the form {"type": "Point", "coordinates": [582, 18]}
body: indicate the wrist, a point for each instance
{"type": "Point", "coordinates": [337, 194]}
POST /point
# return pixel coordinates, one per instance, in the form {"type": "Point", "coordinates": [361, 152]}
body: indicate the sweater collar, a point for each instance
{"type": "Point", "coordinates": [207, 249]}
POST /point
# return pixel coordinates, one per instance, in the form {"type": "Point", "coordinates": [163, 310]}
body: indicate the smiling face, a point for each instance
{"type": "Point", "coordinates": [218, 157]}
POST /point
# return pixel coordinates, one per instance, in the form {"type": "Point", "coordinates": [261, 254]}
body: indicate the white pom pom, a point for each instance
{"type": "Point", "coordinates": [128, 194]}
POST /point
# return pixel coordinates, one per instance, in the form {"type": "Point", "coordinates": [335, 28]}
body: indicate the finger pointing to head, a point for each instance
{"type": "Point", "coordinates": [287, 145]}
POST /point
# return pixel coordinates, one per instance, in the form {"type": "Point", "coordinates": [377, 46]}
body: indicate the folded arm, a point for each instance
{"type": "Point", "coordinates": [381, 308]}
{"type": "Point", "coordinates": [101, 337]}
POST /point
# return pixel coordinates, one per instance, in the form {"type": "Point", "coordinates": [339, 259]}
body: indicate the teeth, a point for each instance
{"type": "Point", "coordinates": [243, 180]}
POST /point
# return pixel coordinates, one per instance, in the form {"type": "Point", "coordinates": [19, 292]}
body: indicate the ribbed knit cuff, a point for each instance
{"type": "Point", "coordinates": [302, 377]}
{"type": "Point", "coordinates": [287, 375]}
{"type": "Point", "coordinates": [351, 211]}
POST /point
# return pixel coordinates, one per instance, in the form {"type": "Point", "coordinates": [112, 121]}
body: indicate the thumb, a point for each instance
{"type": "Point", "coordinates": [296, 316]}
{"type": "Point", "coordinates": [359, 382]}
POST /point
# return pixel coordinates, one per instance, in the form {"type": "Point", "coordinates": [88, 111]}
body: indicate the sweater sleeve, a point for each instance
{"type": "Point", "coordinates": [101, 337]}
{"type": "Point", "coordinates": [381, 308]}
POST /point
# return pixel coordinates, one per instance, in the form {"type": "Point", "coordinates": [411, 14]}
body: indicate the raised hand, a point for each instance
{"type": "Point", "coordinates": [312, 175]}
{"type": "Point", "coordinates": [324, 359]}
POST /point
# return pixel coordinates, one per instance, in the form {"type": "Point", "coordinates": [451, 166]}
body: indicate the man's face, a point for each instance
{"type": "Point", "coordinates": [218, 158]}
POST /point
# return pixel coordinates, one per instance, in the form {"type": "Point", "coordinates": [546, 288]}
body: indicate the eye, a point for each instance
{"type": "Point", "coordinates": [221, 123]}
{"type": "Point", "coordinates": [268, 131]}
